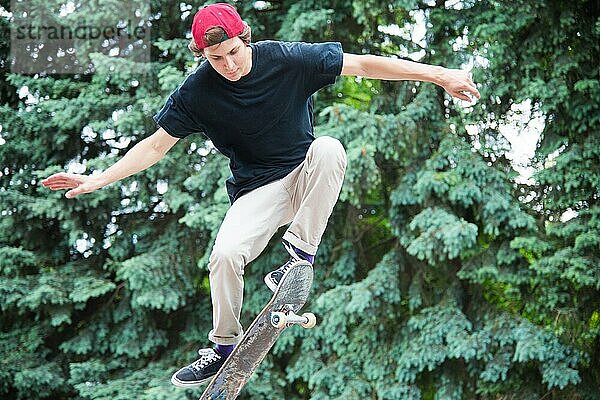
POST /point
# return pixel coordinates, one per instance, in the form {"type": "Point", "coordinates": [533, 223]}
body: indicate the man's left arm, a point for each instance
{"type": "Point", "coordinates": [454, 81]}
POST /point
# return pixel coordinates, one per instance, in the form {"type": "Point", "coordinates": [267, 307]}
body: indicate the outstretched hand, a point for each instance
{"type": "Point", "coordinates": [78, 183]}
{"type": "Point", "coordinates": [459, 83]}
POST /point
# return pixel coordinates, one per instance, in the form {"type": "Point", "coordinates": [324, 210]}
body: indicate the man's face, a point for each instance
{"type": "Point", "coordinates": [231, 58]}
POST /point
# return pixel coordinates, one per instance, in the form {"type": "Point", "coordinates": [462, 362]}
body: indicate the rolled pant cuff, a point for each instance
{"type": "Point", "coordinates": [300, 244]}
{"type": "Point", "coordinates": [225, 341]}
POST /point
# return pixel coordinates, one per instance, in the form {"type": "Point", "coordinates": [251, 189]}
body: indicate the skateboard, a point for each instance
{"type": "Point", "coordinates": [279, 313]}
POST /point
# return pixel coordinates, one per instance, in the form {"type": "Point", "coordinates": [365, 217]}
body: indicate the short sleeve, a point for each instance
{"type": "Point", "coordinates": [175, 119]}
{"type": "Point", "coordinates": [323, 63]}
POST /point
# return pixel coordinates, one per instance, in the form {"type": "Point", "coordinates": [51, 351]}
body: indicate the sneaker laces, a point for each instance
{"type": "Point", "coordinates": [207, 356]}
{"type": "Point", "coordinates": [293, 258]}
{"type": "Point", "coordinates": [290, 249]}
{"type": "Point", "coordinates": [280, 272]}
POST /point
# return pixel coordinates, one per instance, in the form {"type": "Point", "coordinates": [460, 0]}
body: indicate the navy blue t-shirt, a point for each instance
{"type": "Point", "coordinates": [263, 121]}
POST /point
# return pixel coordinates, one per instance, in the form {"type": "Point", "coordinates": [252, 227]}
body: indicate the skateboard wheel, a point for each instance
{"type": "Point", "coordinates": [278, 319]}
{"type": "Point", "coordinates": [311, 320]}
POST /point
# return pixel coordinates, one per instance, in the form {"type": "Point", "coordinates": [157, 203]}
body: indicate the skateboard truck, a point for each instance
{"type": "Point", "coordinates": [281, 319]}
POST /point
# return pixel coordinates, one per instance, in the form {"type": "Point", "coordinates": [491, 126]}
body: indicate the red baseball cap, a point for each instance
{"type": "Point", "coordinates": [216, 15]}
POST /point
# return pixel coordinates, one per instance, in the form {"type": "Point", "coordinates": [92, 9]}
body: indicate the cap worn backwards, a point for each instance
{"type": "Point", "coordinates": [216, 15]}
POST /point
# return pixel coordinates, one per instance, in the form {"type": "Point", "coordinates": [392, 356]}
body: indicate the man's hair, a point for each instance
{"type": "Point", "coordinates": [215, 35]}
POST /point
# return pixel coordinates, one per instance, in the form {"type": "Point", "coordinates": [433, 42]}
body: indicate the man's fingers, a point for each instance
{"type": "Point", "coordinates": [60, 175]}
{"type": "Point", "coordinates": [469, 87]}
{"type": "Point", "coordinates": [472, 87]}
{"type": "Point", "coordinates": [466, 91]}
{"type": "Point", "coordinates": [53, 181]}
{"type": "Point", "coordinates": [64, 176]}
{"type": "Point", "coordinates": [62, 180]}
{"type": "Point", "coordinates": [460, 85]}
{"type": "Point", "coordinates": [59, 180]}
{"type": "Point", "coordinates": [60, 186]}
{"type": "Point", "coordinates": [75, 192]}
{"type": "Point", "coordinates": [474, 91]}
{"type": "Point", "coordinates": [462, 96]}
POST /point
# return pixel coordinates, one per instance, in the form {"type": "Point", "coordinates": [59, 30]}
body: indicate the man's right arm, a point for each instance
{"type": "Point", "coordinates": [141, 156]}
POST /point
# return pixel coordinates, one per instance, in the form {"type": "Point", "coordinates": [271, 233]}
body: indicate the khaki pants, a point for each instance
{"type": "Point", "coordinates": [304, 198]}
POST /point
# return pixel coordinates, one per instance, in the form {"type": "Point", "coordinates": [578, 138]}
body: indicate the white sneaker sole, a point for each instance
{"type": "Point", "coordinates": [183, 384]}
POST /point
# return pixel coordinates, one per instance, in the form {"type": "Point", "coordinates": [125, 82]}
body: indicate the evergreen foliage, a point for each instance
{"type": "Point", "coordinates": [441, 274]}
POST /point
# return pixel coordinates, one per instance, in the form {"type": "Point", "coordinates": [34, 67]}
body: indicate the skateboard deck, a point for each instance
{"type": "Point", "coordinates": [262, 334]}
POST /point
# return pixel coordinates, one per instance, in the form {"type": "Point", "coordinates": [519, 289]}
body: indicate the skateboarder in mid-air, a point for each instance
{"type": "Point", "coordinates": [254, 102]}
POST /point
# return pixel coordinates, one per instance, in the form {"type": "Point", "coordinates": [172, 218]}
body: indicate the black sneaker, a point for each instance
{"type": "Point", "coordinates": [200, 370]}
{"type": "Point", "coordinates": [274, 277]}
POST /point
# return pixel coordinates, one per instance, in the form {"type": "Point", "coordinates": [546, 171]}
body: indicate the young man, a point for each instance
{"type": "Point", "coordinates": [254, 103]}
